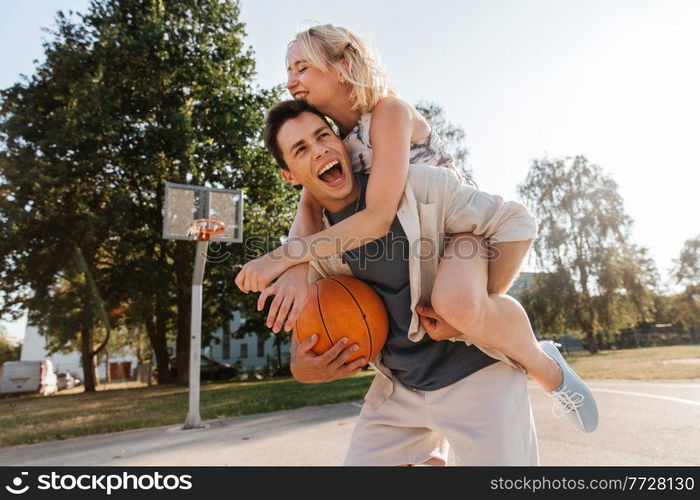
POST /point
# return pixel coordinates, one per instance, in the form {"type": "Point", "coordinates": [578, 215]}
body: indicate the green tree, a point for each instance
{"type": "Point", "coordinates": [541, 300]}
{"type": "Point", "coordinates": [687, 266]}
{"type": "Point", "coordinates": [57, 202]}
{"type": "Point", "coordinates": [133, 93]}
{"type": "Point", "coordinates": [9, 349]}
{"type": "Point", "coordinates": [581, 216]}
{"type": "Point", "coordinates": [686, 272]}
{"type": "Point", "coordinates": [628, 283]}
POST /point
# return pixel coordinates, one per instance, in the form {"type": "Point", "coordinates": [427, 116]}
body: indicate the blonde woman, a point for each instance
{"type": "Point", "coordinates": [335, 71]}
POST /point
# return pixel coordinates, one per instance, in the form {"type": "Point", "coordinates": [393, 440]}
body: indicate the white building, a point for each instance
{"type": "Point", "coordinates": [250, 350]}
{"type": "Point", "coordinates": [34, 349]}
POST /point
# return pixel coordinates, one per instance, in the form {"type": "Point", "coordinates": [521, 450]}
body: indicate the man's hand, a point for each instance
{"type": "Point", "coordinates": [290, 291]}
{"type": "Point", "coordinates": [311, 368]}
{"type": "Point", "coordinates": [435, 325]}
{"type": "Point", "coordinates": [257, 274]}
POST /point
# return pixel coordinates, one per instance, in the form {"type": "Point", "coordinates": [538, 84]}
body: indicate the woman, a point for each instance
{"type": "Point", "coordinates": [333, 70]}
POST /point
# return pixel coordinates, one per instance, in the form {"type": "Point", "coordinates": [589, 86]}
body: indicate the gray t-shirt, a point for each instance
{"type": "Point", "coordinates": [426, 365]}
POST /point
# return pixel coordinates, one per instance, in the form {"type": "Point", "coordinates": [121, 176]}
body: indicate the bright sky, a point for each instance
{"type": "Point", "coordinates": [614, 80]}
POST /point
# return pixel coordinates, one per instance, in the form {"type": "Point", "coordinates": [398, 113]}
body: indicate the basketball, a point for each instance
{"type": "Point", "coordinates": [343, 306]}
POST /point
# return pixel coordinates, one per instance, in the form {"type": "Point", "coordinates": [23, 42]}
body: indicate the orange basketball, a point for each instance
{"type": "Point", "coordinates": [343, 306]}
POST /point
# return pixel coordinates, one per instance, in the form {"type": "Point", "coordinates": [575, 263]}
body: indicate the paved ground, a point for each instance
{"type": "Point", "coordinates": [641, 423]}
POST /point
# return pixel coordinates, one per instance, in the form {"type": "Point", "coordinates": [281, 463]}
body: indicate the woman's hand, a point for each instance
{"type": "Point", "coordinates": [290, 291]}
{"type": "Point", "coordinates": [257, 274]}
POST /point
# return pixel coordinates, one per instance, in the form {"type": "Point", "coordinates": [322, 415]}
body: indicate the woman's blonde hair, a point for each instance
{"type": "Point", "coordinates": [326, 46]}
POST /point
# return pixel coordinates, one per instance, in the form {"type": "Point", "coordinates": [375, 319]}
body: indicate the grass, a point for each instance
{"type": "Point", "coordinates": [130, 405]}
{"type": "Point", "coordinates": [647, 363]}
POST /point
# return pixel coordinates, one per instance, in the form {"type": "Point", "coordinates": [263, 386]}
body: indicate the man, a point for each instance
{"type": "Point", "coordinates": [431, 389]}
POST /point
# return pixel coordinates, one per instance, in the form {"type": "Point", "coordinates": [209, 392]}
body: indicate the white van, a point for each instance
{"type": "Point", "coordinates": [28, 376]}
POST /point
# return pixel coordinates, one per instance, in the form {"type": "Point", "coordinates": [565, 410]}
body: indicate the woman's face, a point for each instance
{"type": "Point", "coordinates": [307, 82]}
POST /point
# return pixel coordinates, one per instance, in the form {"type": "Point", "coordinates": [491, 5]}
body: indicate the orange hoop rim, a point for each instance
{"type": "Point", "coordinates": [202, 232]}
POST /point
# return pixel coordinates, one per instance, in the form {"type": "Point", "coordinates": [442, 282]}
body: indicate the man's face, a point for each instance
{"type": "Point", "coordinates": [317, 159]}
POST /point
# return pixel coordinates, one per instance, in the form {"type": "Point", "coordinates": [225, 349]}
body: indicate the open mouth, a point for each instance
{"type": "Point", "coordinates": [300, 95]}
{"type": "Point", "coordinates": [332, 174]}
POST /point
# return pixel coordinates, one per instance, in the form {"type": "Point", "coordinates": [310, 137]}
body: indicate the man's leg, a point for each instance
{"type": "Point", "coordinates": [395, 433]}
{"type": "Point", "coordinates": [487, 418]}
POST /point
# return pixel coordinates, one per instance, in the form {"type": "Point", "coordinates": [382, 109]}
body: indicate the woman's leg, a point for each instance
{"type": "Point", "coordinates": [497, 321]}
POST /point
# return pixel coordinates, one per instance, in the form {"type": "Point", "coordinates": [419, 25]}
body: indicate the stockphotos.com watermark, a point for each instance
{"type": "Point", "coordinates": [107, 483]}
{"type": "Point", "coordinates": [389, 247]}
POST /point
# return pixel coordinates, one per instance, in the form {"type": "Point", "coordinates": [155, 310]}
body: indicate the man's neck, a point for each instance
{"type": "Point", "coordinates": [334, 206]}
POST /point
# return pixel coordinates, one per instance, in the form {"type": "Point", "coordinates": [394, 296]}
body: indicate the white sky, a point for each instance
{"type": "Point", "coordinates": [615, 80]}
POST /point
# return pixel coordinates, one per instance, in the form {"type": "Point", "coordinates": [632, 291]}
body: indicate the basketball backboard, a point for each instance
{"type": "Point", "coordinates": [185, 204]}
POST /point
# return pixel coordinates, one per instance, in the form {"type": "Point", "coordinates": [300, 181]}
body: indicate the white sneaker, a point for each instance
{"type": "Point", "coordinates": [572, 398]}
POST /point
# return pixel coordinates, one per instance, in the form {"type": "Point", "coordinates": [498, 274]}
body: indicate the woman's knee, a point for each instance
{"type": "Point", "coordinates": [461, 307]}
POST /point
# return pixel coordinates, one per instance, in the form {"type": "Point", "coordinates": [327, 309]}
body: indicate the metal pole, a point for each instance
{"type": "Point", "coordinates": [194, 420]}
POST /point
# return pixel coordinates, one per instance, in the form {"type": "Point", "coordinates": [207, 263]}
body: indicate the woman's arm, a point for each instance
{"type": "Point", "coordinates": [391, 131]}
{"type": "Point", "coordinates": [307, 220]}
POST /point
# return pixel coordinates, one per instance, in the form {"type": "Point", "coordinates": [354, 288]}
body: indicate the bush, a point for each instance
{"type": "Point", "coordinates": [274, 369]}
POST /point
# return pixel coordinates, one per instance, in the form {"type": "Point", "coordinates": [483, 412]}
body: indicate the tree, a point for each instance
{"type": "Point", "coordinates": [452, 135]}
{"type": "Point", "coordinates": [687, 265]}
{"type": "Point", "coordinates": [628, 283]}
{"type": "Point", "coordinates": [541, 300]}
{"type": "Point", "coordinates": [55, 204]}
{"type": "Point", "coordinates": [686, 305]}
{"type": "Point", "coordinates": [133, 93]}
{"type": "Point", "coordinates": [9, 349]}
{"type": "Point", "coordinates": [581, 217]}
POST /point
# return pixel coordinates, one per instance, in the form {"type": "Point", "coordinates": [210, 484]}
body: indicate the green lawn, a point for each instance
{"type": "Point", "coordinates": [129, 405]}
{"type": "Point", "coordinates": [647, 363]}
{"type": "Point", "coordinates": [32, 419]}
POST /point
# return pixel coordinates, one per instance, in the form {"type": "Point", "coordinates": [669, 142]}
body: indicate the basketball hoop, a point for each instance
{"type": "Point", "coordinates": [198, 213]}
{"type": "Point", "coordinates": [202, 229]}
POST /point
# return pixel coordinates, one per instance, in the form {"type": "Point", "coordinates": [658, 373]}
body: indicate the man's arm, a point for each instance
{"type": "Point", "coordinates": [291, 292]}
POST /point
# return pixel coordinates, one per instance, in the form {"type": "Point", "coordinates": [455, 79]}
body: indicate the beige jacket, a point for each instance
{"type": "Point", "coordinates": [437, 202]}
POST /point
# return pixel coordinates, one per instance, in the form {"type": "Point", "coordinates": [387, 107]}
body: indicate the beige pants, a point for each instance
{"type": "Point", "coordinates": [486, 418]}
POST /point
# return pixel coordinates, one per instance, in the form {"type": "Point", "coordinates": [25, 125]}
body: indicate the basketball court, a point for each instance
{"type": "Point", "coordinates": [642, 423]}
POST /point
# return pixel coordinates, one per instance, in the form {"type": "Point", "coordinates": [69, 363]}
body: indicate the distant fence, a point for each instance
{"type": "Point", "coordinates": [570, 344]}
{"type": "Point", "coordinates": [629, 339]}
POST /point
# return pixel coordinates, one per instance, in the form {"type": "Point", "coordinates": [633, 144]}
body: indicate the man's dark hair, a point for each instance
{"type": "Point", "coordinates": [277, 116]}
